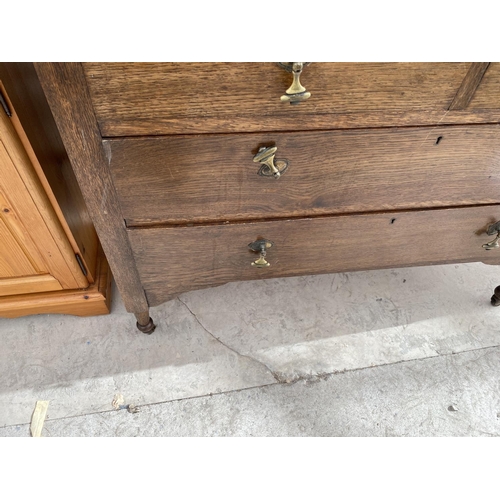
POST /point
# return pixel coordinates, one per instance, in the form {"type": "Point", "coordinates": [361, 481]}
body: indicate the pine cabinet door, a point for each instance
{"type": "Point", "coordinates": [35, 254]}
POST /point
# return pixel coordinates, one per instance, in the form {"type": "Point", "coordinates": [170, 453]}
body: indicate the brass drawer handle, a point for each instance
{"type": "Point", "coordinates": [492, 229]}
{"type": "Point", "coordinates": [269, 167]}
{"type": "Point", "coordinates": [296, 93]}
{"type": "Point", "coordinates": [260, 246]}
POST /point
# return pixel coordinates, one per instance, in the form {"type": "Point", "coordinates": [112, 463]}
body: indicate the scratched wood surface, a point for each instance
{"type": "Point", "coordinates": [170, 98]}
{"type": "Point", "coordinates": [182, 179]}
{"type": "Point", "coordinates": [177, 259]}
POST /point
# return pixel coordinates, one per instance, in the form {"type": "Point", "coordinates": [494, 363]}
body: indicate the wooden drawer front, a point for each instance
{"type": "Point", "coordinates": [172, 98]}
{"type": "Point", "coordinates": [177, 259]}
{"type": "Point", "coordinates": [182, 179]}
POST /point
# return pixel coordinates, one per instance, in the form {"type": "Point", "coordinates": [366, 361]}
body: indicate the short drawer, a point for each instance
{"type": "Point", "coordinates": [178, 98]}
{"type": "Point", "coordinates": [209, 178]}
{"type": "Point", "coordinates": [173, 260]}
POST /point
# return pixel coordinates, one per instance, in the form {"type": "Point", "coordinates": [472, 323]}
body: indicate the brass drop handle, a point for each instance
{"type": "Point", "coordinates": [492, 229]}
{"type": "Point", "coordinates": [297, 92]}
{"type": "Point", "coordinates": [260, 246]}
{"type": "Point", "coordinates": [270, 168]}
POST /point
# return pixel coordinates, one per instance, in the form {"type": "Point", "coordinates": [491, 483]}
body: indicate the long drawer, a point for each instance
{"type": "Point", "coordinates": [175, 98]}
{"type": "Point", "coordinates": [184, 179]}
{"type": "Point", "coordinates": [173, 260]}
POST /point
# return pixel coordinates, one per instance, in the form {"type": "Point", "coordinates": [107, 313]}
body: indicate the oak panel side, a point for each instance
{"type": "Point", "coordinates": [66, 91]}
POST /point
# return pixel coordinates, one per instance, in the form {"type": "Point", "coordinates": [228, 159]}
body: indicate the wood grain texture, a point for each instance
{"type": "Point", "coordinates": [487, 95]}
{"type": "Point", "coordinates": [174, 260]}
{"type": "Point", "coordinates": [469, 86]}
{"type": "Point", "coordinates": [13, 259]}
{"type": "Point", "coordinates": [93, 301]}
{"type": "Point", "coordinates": [66, 91]}
{"type": "Point", "coordinates": [182, 179]}
{"type": "Point", "coordinates": [33, 121]}
{"type": "Point", "coordinates": [175, 98]}
{"type": "Point", "coordinates": [30, 217]}
{"type": "Point", "coordinates": [29, 284]}
{"type": "Point", "coordinates": [88, 258]}
{"type": "Point", "coordinates": [13, 223]}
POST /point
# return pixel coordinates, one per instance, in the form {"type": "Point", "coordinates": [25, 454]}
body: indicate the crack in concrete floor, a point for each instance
{"type": "Point", "coordinates": [283, 377]}
{"type": "Point", "coordinates": [276, 377]}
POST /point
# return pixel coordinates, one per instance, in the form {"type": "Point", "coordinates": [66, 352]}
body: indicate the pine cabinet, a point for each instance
{"type": "Point", "coordinates": [42, 268]}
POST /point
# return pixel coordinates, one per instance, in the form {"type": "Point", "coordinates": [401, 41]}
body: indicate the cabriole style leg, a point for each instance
{"type": "Point", "coordinates": [145, 323]}
{"type": "Point", "coordinates": [495, 299]}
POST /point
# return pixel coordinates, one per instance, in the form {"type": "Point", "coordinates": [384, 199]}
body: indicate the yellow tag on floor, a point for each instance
{"type": "Point", "coordinates": [38, 418]}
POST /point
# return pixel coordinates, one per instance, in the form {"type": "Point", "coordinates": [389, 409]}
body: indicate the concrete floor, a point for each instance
{"type": "Point", "coordinates": [403, 352]}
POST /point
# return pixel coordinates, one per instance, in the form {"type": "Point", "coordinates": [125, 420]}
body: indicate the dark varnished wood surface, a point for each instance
{"type": "Point", "coordinates": [65, 88]}
{"type": "Point", "coordinates": [469, 86]}
{"type": "Point", "coordinates": [171, 98]}
{"type": "Point", "coordinates": [487, 95]}
{"type": "Point", "coordinates": [177, 259]}
{"type": "Point", "coordinates": [206, 174]}
{"type": "Point", "coordinates": [181, 179]}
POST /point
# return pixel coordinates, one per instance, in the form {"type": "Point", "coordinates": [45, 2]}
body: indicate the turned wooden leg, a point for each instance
{"type": "Point", "coordinates": [145, 323]}
{"type": "Point", "coordinates": [69, 100]}
{"type": "Point", "coordinates": [495, 299]}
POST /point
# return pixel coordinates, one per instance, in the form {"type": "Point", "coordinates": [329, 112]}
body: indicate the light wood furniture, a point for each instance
{"type": "Point", "coordinates": [42, 269]}
{"type": "Point", "coordinates": [387, 165]}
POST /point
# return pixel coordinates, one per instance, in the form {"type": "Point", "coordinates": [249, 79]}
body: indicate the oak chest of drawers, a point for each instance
{"type": "Point", "coordinates": [201, 174]}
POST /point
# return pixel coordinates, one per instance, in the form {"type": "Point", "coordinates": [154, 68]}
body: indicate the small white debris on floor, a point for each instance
{"type": "Point", "coordinates": [118, 401]}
